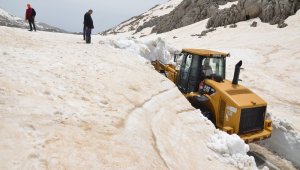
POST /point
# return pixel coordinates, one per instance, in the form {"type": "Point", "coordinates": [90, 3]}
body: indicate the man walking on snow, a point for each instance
{"type": "Point", "coordinates": [88, 24]}
{"type": "Point", "coordinates": [30, 15]}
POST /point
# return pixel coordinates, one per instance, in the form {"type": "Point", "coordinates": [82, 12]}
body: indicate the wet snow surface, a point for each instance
{"type": "Point", "coordinates": [68, 105]}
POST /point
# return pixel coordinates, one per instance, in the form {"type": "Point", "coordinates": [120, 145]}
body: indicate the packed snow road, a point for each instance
{"type": "Point", "coordinates": [265, 158]}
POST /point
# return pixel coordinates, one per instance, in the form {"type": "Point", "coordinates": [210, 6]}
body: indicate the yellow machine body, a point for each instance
{"type": "Point", "coordinates": [231, 107]}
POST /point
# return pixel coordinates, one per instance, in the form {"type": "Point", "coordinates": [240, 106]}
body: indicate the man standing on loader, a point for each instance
{"type": "Point", "coordinates": [88, 24]}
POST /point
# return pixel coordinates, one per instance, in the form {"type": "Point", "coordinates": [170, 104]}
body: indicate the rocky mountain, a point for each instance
{"type": "Point", "coordinates": [135, 22]}
{"type": "Point", "coordinates": [270, 11]}
{"type": "Point", "coordinates": [187, 12]}
{"type": "Point", "coordinates": [9, 20]}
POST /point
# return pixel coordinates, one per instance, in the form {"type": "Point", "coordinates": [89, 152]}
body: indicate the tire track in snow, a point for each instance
{"type": "Point", "coordinates": [157, 149]}
{"type": "Point", "coordinates": [264, 157]}
{"type": "Point", "coordinates": [134, 113]}
{"type": "Point", "coordinates": [131, 112]}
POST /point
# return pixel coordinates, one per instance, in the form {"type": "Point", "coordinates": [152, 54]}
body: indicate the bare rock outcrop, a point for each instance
{"type": "Point", "coordinates": [271, 11]}
{"type": "Point", "coordinates": [192, 11]}
{"type": "Point", "coordinates": [186, 13]}
{"type": "Point", "coordinates": [254, 24]}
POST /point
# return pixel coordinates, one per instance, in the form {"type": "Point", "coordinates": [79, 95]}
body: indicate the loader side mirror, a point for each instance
{"type": "Point", "coordinates": [175, 57]}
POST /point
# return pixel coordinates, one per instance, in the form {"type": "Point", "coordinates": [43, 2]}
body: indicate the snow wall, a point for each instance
{"type": "Point", "coordinates": [230, 149]}
{"type": "Point", "coordinates": [151, 49]}
{"type": "Point", "coordinates": [285, 140]}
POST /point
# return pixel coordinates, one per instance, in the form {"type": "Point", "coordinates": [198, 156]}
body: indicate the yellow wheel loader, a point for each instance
{"type": "Point", "coordinates": [200, 76]}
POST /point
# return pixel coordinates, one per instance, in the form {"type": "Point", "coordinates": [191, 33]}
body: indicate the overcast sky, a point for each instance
{"type": "Point", "coordinates": [68, 14]}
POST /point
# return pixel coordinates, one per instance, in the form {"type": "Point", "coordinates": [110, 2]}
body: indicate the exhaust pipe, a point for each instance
{"type": "Point", "coordinates": [237, 73]}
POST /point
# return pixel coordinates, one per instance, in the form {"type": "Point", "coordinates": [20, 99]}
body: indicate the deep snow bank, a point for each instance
{"type": "Point", "coordinates": [68, 105]}
{"type": "Point", "coordinates": [285, 140]}
{"type": "Point", "coordinates": [150, 49]}
{"type": "Point", "coordinates": [230, 148]}
{"type": "Point", "coordinates": [271, 59]}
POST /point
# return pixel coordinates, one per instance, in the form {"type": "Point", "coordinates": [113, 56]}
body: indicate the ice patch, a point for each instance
{"type": "Point", "coordinates": [231, 149]}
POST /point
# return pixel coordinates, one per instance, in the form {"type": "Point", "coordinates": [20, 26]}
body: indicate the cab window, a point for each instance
{"type": "Point", "coordinates": [213, 66]}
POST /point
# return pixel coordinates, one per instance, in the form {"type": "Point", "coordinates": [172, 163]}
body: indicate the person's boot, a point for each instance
{"type": "Point", "coordinates": [88, 40]}
{"type": "Point", "coordinates": [30, 27]}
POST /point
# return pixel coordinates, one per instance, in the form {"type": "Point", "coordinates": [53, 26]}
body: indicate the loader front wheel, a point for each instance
{"type": "Point", "coordinates": [209, 116]}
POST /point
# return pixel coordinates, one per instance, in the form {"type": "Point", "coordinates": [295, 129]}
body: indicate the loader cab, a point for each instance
{"type": "Point", "coordinates": [198, 65]}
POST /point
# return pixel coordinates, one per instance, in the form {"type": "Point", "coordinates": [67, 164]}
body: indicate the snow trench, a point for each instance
{"type": "Point", "coordinates": [284, 140]}
{"type": "Point", "coordinates": [229, 148]}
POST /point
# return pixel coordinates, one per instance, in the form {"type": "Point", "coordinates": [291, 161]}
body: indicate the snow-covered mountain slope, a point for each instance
{"type": "Point", "coordinates": [68, 105]}
{"type": "Point", "coordinates": [133, 23]}
{"type": "Point", "coordinates": [12, 21]}
{"type": "Point", "coordinates": [219, 13]}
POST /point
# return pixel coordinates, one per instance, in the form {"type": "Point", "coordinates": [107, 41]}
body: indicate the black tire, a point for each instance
{"type": "Point", "coordinates": [209, 116]}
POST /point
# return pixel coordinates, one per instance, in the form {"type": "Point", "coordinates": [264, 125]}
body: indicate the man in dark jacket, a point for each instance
{"type": "Point", "coordinates": [88, 24]}
{"type": "Point", "coordinates": [83, 31]}
{"type": "Point", "coordinates": [30, 15]}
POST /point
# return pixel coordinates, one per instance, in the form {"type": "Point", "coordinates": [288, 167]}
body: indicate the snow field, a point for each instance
{"type": "Point", "coordinates": [96, 102]}
{"type": "Point", "coordinates": [271, 59]}
{"type": "Point", "coordinates": [68, 105]}
{"type": "Point", "coordinates": [231, 148]}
